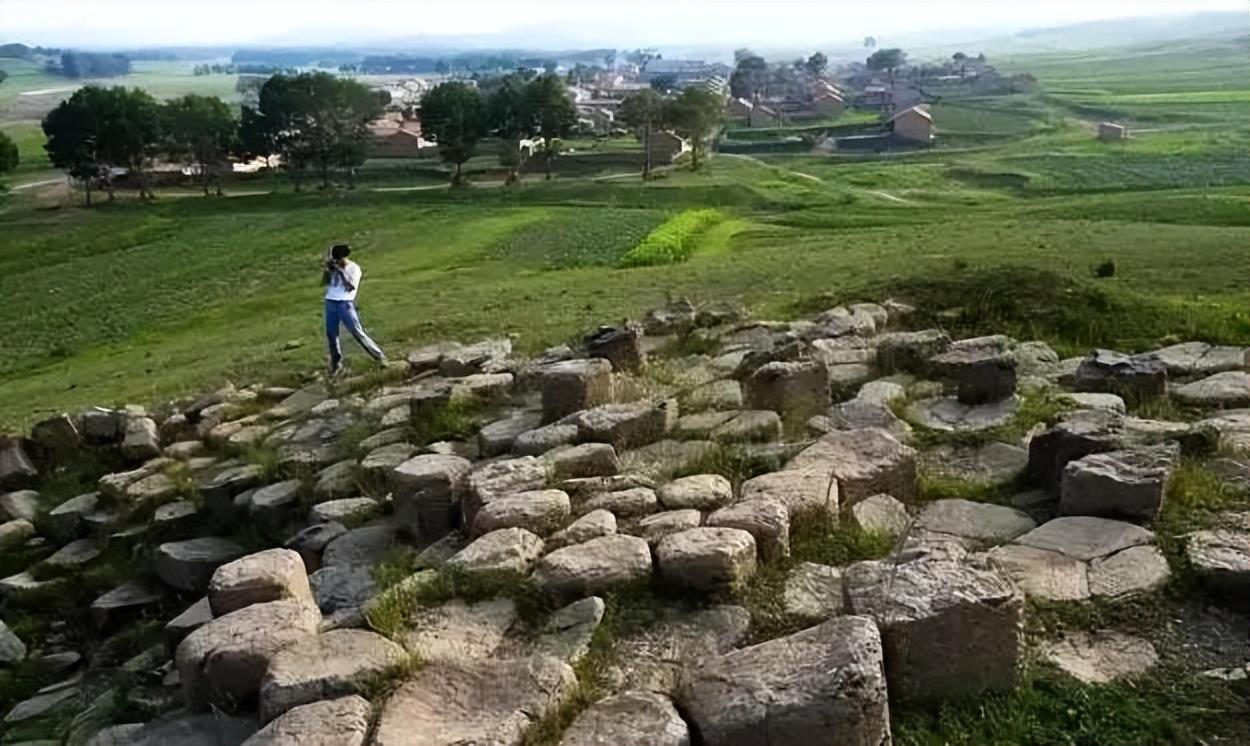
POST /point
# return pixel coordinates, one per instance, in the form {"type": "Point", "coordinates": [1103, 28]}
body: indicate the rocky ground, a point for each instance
{"type": "Point", "coordinates": [698, 529]}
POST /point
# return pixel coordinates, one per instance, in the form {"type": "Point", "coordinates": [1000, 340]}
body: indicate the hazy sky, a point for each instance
{"type": "Point", "coordinates": [544, 23]}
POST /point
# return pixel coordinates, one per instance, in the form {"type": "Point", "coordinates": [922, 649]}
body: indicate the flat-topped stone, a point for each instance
{"type": "Point", "coordinates": [503, 550]}
{"type": "Point", "coordinates": [629, 719]}
{"type": "Point", "coordinates": [271, 575]}
{"type": "Point", "coordinates": [334, 722]}
{"type": "Point", "coordinates": [1225, 390]}
{"type": "Point", "coordinates": [1086, 537]}
{"type": "Point", "coordinates": [189, 565]}
{"type": "Point", "coordinates": [706, 559]}
{"type": "Point", "coordinates": [800, 689]}
{"type": "Point", "coordinates": [864, 462]}
{"type": "Point", "coordinates": [457, 631]}
{"type": "Point", "coordinates": [1102, 656]}
{"type": "Point", "coordinates": [979, 522]}
{"type": "Point", "coordinates": [330, 665]}
{"type": "Point", "coordinates": [1125, 483]}
{"type": "Point", "coordinates": [431, 708]}
{"type": "Point", "coordinates": [594, 566]}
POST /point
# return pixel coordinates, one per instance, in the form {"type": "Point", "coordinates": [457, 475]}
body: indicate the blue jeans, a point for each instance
{"type": "Point", "coordinates": [344, 312]}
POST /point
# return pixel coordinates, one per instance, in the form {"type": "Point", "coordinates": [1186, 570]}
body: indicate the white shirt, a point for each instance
{"type": "Point", "coordinates": [337, 290]}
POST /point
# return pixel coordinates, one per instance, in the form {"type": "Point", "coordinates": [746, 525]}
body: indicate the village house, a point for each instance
{"type": "Point", "coordinates": [666, 146]}
{"type": "Point", "coordinates": [684, 72]}
{"type": "Point", "coordinates": [599, 119]}
{"type": "Point", "coordinates": [763, 116]}
{"type": "Point", "coordinates": [1110, 131]}
{"type": "Point", "coordinates": [397, 136]}
{"type": "Point", "coordinates": [829, 105]}
{"type": "Point", "coordinates": [739, 108]}
{"type": "Point", "coordinates": [913, 125]}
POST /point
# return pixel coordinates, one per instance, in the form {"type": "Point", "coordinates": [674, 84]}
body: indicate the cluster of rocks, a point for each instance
{"type": "Point", "coordinates": [584, 474]}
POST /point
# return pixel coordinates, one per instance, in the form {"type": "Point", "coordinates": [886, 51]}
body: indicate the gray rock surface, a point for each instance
{"type": "Point", "coordinates": [189, 565]}
{"type": "Point", "coordinates": [700, 492]}
{"type": "Point", "coordinates": [1129, 483]}
{"type": "Point", "coordinates": [766, 519]}
{"type": "Point", "coordinates": [813, 592]}
{"type": "Point", "coordinates": [593, 566]}
{"type": "Point", "coordinates": [629, 719]}
{"type": "Point", "coordinates": [541, 511]}
{"type": "Point", "coordinates": [334, 722]}
{"type": "Point", "coordinates": [503, 550]}
{"type": "Point", "coordinates": [432, 708]}
{"type": "Point", "coordinates": [222, 663]}
{"type": "Point", "coordinates": [865, 462]}
{"type": "Point", "coordinates": [979, 522]}
{"type": "Point", "coordinates": [457, 631]}
{"type": "Point", "coordinates": [271, 575]}
{"type": "Point", "coordinates": [1101, 657]}
{"type": "Point", "coordinates": [800, 689]}
{"type": "Point", "coordinates": [706, 559]}
{"type": "Point", "coordinates": [949, 628]}
{"type": "Point", "coordinates": [330, 665]}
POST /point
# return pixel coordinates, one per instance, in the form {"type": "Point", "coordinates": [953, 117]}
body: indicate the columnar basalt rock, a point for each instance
{"type": "Point", "coordinates": [803, 688]}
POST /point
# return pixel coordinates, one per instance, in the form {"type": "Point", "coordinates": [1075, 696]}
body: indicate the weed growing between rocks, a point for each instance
{"type": "Point", "coordinates": [627, 610]}
{"type": "Point", "coordinates": [1048, 709]}
{"type": "Point", "coordinates": [1195, 495]}
{"type": "Point", "coordinates": [390, 613]}
{"type": "Point", "coordinates": [455, 419]}
{"type": "Point", "coordinates": [931, 486]}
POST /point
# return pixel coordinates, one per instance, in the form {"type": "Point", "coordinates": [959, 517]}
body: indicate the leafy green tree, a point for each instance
{"type": "Point", "coordinates": [455, 115]}
{"type": "Point", "coordinates": [554, 115]}
{"type": "Point", "coordinates": [817, 63]}
{"type": "Point", "coordinates": [8, 149]}
{"type": "Point", "coordinates": [313, 121]}
{"type": "Point", "coordinates": [694, 115]}
{"type": "Point", "coordinates": [130, 133]}
{"type": "Point", "coordinates": [98, 129]}
{"type": "Point", "coordinates": [200, 131]}
{"type": "Point", "coordinates": [643, 112]}
{"type": "Point", "coordinates": [889, 60]}
{"type": "Point", "coordinates": [70, 131]}
{"type": "Point", "coordinates": [749, 76]}
{"type": "Point", "coordinates": [8, 154]}
{"type": "Point", "coordinates": [508, 115]}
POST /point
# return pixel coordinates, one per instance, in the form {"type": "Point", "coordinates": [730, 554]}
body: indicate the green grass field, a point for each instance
{"type": "Point", "coordinates": [138, 302]}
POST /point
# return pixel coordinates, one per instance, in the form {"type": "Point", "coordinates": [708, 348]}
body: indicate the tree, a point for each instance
{"type": "Point", "coordinates": [663, 83]}
{"type": "Point", "coordinates": [312, 120]}
{"type": "Point", "coordinates": [870, 42]}
{"type": "Point", "coordinates": [643, 112]}
{"type": "Point", "coordinates": [70, 130]}
{"type": "Point", "coordinates": [817, 63]}
{"type": "Point", "coordinates": [98, 129]}
{"type": "Point", "coordinates": [507, 112]}
{"type": "Point", "coordinates": [201, 132]}
{"type": "Point", "coordinates": [553, 112]}
{"type": "Point", "coordinates": [130, 133]}
{"type": "Point", "coordinates": [888, 60]}
{"type": "Point", "coordinates": [694, 114]}
{"type": "Point", "coordinates": [749, 76]}
{"type": "Point", "coordinates": [8, 154]}
{"type": "Point", "coordinates": [454, 114]}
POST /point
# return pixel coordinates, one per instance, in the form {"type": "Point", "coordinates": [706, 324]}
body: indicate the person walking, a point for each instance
{"type": "Point", "coordinates": [342, 280]}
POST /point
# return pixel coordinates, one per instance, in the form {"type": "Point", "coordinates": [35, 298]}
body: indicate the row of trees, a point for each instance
{"type": "Point", "coordinates": [753, 77]}
{"type": "Point", "coordinates": [315, 122]}
{"type": "Point", "coordinates": [8, 148]}
{"type": "Point", "coordinates": [522, 106]}
{"type": "Point", "coordinates": [515, 107]}
{"type": "Point", "coordinates": [92, 65]}
{"type": "Point", "coordinates": [99, 129]}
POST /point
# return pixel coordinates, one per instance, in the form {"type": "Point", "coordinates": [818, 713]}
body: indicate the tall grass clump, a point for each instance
{"type": "Point", "coordinates": [674, 241]}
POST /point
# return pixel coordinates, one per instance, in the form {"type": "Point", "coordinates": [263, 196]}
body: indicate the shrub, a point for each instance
{"type": "Point", "coordinates": [1106, 269]}
{"type": "Point", "coordinates": [673, 241]}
